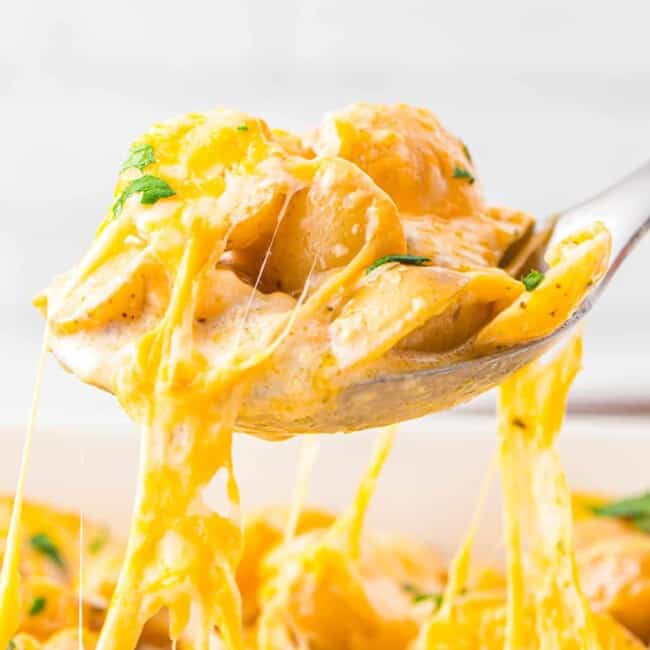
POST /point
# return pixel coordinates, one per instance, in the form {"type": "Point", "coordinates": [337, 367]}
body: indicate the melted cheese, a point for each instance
{"type": "Point", "coordinates": [313, 582]}
{"type": "Point", "coordinates": [537, 502]}
{"type": "Point", "coordinates": [243, 289]}
{"type": "Point", "coordinates": [308, 454]}
{"type": "Point", "coordinates": [270, 211]}
{"type": "Point", "coordinates": [10, 601]}
{"type": "Point", "coordinates": [544, 606]}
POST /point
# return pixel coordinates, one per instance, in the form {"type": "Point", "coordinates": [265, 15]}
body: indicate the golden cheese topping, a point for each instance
{"type": "Point", "coordinates": [241, 269]}
{"type": "Point", "coordinates": [287, 238]}
{"type": "Point", "coordinates": [327, 584]}
{"type": "Point", "coordinates": [543, 605]}
{"type": "Point", "coordinates": [51, 581]}
{"type": "Point", "coordinates": [408, 153]}
{"type": "Point", "coordinates": [330, 585]}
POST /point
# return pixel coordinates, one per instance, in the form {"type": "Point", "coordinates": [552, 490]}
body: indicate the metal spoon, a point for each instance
{"type": "Point", "coordinates": [624, 208]}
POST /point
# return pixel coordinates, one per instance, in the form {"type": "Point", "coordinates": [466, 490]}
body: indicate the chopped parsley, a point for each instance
{"type": "Point", "coordinates": [532, 279]}
{"type": "Point", "coordinates": [242, 127]}
{"type": "Point", "coordinates": [43, 544]}
{"type": "Point", "coordinates": [37, 606]}
{"type": "Point", "coordinates": [98, 543]}
{"type": "Point", "coordinates": [140, 155]}
{"type": "Point", "coordinates": [460, 172]}
{"type": "Point", "coordinates": [468, 155]}
{"type": "Point", "coordinates": [635, 509]}
{"type": "Point", "coordinates": [421, 596]}
{"type": "Point", "coordinates": [152, 188]}
{"type": "Point", "coordinates": [643, 524]}
{"type": "Point", "coordinates": [412, 260]}
{"type": "Point", "coordinates": [12, 645]}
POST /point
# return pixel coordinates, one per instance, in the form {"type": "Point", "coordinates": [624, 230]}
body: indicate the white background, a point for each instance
{"type": "Point", "coordinates": [553, 98]}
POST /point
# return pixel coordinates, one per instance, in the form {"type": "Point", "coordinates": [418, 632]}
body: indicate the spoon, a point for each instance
{"type": "Point", "coordinates": [625, 210]}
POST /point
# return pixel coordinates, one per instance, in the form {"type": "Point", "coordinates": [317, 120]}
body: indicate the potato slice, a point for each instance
{"type": "Point", "coordinates": [577, 264]}
{"type": "Point", "coordinates": [326, 225]}
{"type": "Point", "coordinates": [393, 302]}
{"type": "Point", "coordinates": [408, 153]}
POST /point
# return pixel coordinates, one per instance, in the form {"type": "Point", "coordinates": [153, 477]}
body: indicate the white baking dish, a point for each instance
{"type": "Point", "coordinates": [429, 486]}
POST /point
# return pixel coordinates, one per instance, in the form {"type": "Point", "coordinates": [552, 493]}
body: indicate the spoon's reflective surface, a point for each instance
{"type": "Point", "coordinates": [624, 208]}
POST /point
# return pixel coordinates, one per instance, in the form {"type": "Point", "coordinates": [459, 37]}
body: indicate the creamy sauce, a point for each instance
{"type": "Point", "coordinates": [231, 277]}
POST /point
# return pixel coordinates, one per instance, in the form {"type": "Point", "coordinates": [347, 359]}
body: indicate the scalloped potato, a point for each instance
{"type": "Point", "coordinates": [241, 269]}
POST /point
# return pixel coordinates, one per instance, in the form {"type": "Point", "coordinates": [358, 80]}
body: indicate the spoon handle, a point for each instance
{"type": "Point", "coordinates": [624, 208]}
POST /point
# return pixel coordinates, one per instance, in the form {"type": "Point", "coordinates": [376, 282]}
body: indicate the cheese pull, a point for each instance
{"type": "Point", "coordinates": [544, 605]}
{"type": "Point", "coordinates": [239, 263]}
{"type": "Point", "coordinates": [328, 589]}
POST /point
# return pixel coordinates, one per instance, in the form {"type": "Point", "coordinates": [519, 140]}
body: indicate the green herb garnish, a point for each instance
{"type": "Point", "coordinates": [12, 645]}
{"type": "Point", "coordinates": [636, 510]}
{"type": "Point", "coordinates": [412, 260]}
{"type": "Point", "coordinates": [43, 544]}
{"type": "Point", "coordinates": [459, 172]}
{"type": "Point", "coordinates": [421, 596]}
{"type": "Point", "coordinates": [468, 155]}
{"type": "Point", "coordinates": [642, 523]}
{"type": "Point", "coordinates": [242, 127]}
{"type": "Point", "coordinates": [37, 606]}
{"type": "Point", "coordinates": [435, 598]}
{"type": "Point", "coordinates": [140, 155]}
{"type": "Point", "coordinates": [152, 188]}
{"type": "Point", "coordinates": [98, 543]}
{"type": "Point", "coordinates": [532, 279]}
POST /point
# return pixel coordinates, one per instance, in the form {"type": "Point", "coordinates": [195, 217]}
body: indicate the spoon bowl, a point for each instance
{"type": "Point", "coordinates": [625, 210]}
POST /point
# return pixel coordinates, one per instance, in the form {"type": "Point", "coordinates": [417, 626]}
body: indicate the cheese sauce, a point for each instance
{"type": "Point", "coordinates": [241, 270]}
